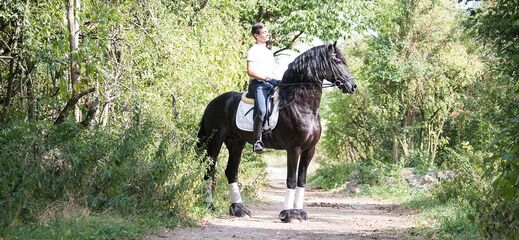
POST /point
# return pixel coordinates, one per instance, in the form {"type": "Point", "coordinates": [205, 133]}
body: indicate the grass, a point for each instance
{"type": "Point", "coordinates": [110, 226]}
{"type": "Point", "coordinates": [443, 220]}
{"type": "Point", "coordinates": [87, 227]}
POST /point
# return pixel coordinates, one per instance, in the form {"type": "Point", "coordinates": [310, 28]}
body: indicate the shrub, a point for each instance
{"type": "Point", "coordinates": [467, 183]}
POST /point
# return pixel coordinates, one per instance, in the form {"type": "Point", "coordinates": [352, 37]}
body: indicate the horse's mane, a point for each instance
{"type": "Point", "coordinates": [307, 71]}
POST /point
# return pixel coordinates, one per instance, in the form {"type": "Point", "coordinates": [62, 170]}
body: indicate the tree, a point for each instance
{"type": "Point", "coordinates": [414, 76]}
{"type": "Point", "coordinates": [496, 26]}
{"type": "Point", "coordinates": [304, 20]}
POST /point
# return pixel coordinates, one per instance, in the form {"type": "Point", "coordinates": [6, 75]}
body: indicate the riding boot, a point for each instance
{"type": "Point", "coordinates": [258, 131]}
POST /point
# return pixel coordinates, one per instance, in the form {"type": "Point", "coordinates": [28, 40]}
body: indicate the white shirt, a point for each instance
{"type": "Point", "coordinates": [263, 59]}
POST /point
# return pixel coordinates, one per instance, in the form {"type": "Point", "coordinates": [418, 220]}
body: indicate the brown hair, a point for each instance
{"type": "Point", "coordinates": [256, 28]}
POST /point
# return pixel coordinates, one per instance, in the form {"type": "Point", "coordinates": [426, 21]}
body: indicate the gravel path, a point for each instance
{"type": "Point", "coordinates": [331, 216]}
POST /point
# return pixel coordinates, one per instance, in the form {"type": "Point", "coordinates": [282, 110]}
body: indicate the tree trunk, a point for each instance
{"type": "Point", "coordinates": [405, 146]}
{"type": "Point", "coordinates": [73, 7]}
{"type": "Point", "coordinates": [30, 95]}
{"type": "Point", "coordinates": [13, 66]}
{"type": "Point", "coordinates": [13, 69]}
{"type": "Point", "coordinates": [92, 110]}
{"type": "Point", "coordinates": [395, 148]}
{"type": "Point", "coordinates": [105, 115]}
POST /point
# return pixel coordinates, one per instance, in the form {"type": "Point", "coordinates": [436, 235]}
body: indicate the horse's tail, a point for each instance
{"type": "Point", "coordinates": [201, 147]}
{"type": "Point", "coordinates": [202, 135]}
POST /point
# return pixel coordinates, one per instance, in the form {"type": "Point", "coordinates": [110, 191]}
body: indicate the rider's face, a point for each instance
{"type": "Point", "coordinates": [263, 35]}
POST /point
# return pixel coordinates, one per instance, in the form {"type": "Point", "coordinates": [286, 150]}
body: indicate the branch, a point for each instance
{"type": "Point", "coordinates": [70, 105]}
{"type": "Point", "coordinates": [203, 4]}
{"type": "Point", "coordinates": [92, 110]}
{"type": "Point", "coordinates": [291, 43]}
{"type": "Point", "coordinates": [434, 114]}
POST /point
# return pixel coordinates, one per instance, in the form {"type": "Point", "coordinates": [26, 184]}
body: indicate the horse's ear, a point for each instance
{"type": "Point", "coordinates": [332, 47]}
{"type": "Point", "coordinates": [335, 44]}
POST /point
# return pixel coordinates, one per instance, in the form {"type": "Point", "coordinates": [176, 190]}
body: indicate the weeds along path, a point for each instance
{"type": "Point", "coordinates": [332, 216]}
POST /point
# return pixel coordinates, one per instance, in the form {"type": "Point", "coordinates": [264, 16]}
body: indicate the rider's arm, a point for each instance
{"type": "Point", "coordinates": [253, 71]}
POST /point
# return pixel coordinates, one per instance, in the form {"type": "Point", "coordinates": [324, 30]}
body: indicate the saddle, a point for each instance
{"type": "Point", "coordinates": [245, 112]}
{"type": "Point", "coordinates": [247, 98]}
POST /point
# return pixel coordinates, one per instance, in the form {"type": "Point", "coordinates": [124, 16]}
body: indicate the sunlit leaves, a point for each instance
{"type": "Point", "coordinates": [306, 20]}
{"type": "Point", "coordinates": [415, 68]}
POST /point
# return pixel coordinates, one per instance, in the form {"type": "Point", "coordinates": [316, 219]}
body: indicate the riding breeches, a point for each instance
{"type": "Point", "coordinates": [260, 91]}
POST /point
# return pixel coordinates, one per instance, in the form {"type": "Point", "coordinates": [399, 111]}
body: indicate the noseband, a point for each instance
{"type": "Point", "coordinates": [338, 83]}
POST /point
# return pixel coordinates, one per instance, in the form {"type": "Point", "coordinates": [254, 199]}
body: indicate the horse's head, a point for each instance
{"type": "Point", "coordinates": [339, 73]}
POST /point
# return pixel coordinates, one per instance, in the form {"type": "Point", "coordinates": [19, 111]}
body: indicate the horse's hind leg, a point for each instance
{"type": "Point", "coordinates": [214, 146]}
{"type": "Point", "coordinates": [235, 147]}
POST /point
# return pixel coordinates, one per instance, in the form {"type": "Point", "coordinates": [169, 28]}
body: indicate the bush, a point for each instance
{"type": "Point", "coordinates": [331, 176]}
{"type": "Point", "coordinates": [467, 183]}
{"type": "Point", "coordinates": [142, 168]}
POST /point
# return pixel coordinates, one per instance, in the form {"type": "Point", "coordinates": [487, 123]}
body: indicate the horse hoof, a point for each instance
{"type": "Point", "coordinates": [287, 216]}
{"type": "Point", "coordinates": [239, 210]}
{"type": "Point", "coordinates": [303, 215]}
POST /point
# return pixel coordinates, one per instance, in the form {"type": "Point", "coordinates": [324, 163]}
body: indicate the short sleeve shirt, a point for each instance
{"type": "Point", "coordinates": [263, 59]}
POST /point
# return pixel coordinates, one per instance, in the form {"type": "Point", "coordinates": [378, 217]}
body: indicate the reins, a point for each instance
{"type": "Point", "coordinates": [337, 83]}
{"type": "Point", "coordinates": [323, 85]}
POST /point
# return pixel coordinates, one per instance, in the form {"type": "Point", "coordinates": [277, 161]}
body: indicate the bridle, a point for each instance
{"type": "Point", "coordinates": [337, 83]}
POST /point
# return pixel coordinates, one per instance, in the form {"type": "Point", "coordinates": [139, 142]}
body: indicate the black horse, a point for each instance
{"type": "Point", "coordinates": [298, 129]}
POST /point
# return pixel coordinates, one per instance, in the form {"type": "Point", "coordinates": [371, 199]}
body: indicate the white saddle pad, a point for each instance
{"type": "Point", "coordinates": [246, 122]}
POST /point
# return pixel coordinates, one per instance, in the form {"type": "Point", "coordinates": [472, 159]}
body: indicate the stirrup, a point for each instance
{"type": "Point", "coordinates": [258, 147]}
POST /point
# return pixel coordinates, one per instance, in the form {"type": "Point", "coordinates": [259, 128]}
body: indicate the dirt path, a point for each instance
{"type": "Point", "coordinates": [332, 216]}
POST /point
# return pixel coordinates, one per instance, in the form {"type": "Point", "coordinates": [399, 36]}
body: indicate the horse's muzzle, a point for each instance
{"type": "Point", "coordinates": [348, 87]}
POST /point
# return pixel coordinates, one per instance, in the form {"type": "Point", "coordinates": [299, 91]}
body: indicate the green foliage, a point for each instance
{"type": "Point", "coordinates": [495, 24]}
{"type": "Point", "coordinates": [412, 76]}
{"type": "Point", "coordinates": [438, 90]}
{"type": "Point", "coordinates": [303, 20]}
{"type": "Point", "coordinates": [500, 204]}
{"type": "Point", "coordinates": [140, 169]}
{"type": "Point", "coordinates": [467, 183]}
{"type": "Point", "coordinates": [430, 96]}
{"type": "Point", "coordinates": [448, 220]}
{"type": "Point", "coordinates": [331, 176]}
{"type": "Point", "coordinates": [86, 227]}
{"type": "Point", "coordinates": [154, 71]}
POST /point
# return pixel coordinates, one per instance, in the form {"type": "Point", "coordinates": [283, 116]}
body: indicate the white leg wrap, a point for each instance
{"type": "Point", "coordinates": [299, 198]}
{"type": "Point", "coordinates": [235, 193]}
{"type": "Point", "coordinates": [289, 199]}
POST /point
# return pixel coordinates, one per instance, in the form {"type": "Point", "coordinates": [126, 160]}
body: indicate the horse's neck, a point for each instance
{"type": "Point", "coordinates": [306, 99]}
{"type": "Point", "coordinates": [309, 101]}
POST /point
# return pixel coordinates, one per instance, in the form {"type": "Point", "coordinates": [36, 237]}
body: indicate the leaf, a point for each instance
{"type": "Point", "coordinates": [509, 191]}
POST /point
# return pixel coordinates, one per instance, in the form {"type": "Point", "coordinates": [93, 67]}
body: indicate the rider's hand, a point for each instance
{"type": "Point", "coordinates": [272, 81]}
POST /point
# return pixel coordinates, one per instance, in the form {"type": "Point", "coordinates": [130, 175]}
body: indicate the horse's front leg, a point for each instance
{"type": "Point", "coordinates": [304, 162]}
{"type": "Point", "coordinates": [237, 207]}
{"type": "Point", "coordinates": [291, 211]}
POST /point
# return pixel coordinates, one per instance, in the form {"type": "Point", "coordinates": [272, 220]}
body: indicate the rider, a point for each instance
{"type": "Point", "coordinates": [260, 67]}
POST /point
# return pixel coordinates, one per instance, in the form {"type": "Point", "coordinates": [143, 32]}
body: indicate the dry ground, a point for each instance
{"type": "Point", "coordinates": [331, 216]}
